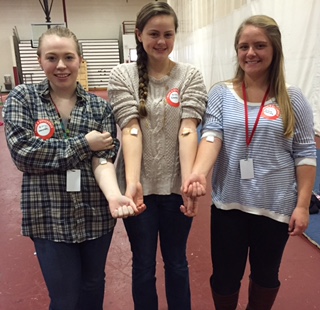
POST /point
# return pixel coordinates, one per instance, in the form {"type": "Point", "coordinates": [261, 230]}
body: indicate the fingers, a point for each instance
{"type": "Point", "coordinates": [299, 222]}
{"type": "Point", "coordinates": [297, 230]}
{"type": "Point", "coordinates": [190, 209]}
{"type": "Point", "coordinates": [130, 211]}
{"type": "Point", "coordinates": [194, 190]}
{"type": "Point", "coordinates": [187, 212]}
{"type": "Point", "coordinates": [126, 211]}
{"type": "Point", "coordinates": [291, 227]}
{"type": "Point", "coordinates": [99, 141]}
{"type": "Point", "coordinates": [108, 143]}
{"type": "Point", "coordinates": [183, 209]}
{"type": "Point", "coordinates": [141, 209]}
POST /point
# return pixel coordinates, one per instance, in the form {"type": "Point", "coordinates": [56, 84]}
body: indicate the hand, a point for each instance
{"type": "Point", "coordinates": [122, 207]}
{"type": "Point", "coordinates": [299, 221]}
{"type": "Point", "coordinates": [99, 141]}
{"type": "Point", "coordinates": [194, 186]}
{"type": "Point", "coordinates": [135, 192]}
{"type": "Point", "coordinates": [190, 206]}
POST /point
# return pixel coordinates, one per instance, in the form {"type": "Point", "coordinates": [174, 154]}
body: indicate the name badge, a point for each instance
{"type": "Point", "coordinates": [44, 129]}
{"type": "Point", "coordinates": [73, 180]}
{"type": "Point", "coordinates": [246, 168]}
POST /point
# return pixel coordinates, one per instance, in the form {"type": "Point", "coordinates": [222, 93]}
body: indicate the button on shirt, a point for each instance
{"type": "Point", "coordinates": [48, 210]}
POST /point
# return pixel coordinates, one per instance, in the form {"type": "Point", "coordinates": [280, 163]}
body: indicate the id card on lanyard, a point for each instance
{"type": "Point", "coordinates": [246, 165]}
{"type": "Point", "coordinates": [73, 176]}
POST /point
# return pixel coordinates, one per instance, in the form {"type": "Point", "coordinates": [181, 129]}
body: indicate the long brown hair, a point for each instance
{"type": "Point", "coordinates": [276, 72]}
{"type": "Point", "coordinates": [146, 13]}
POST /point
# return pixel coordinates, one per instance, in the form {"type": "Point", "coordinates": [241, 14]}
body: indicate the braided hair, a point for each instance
{"type": "Point", "coordinates": [146, 13]}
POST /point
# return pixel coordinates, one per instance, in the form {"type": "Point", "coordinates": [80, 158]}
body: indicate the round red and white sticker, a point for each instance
{"type": "Point", "coordinates": [173, 97]}
{"type": "Point", "coordinates": [44, 129]}
{"type": "Point", "coordinates": [271, 112]}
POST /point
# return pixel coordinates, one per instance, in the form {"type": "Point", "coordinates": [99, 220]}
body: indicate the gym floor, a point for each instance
{"type": "Point", "coordinates": [22, 286]}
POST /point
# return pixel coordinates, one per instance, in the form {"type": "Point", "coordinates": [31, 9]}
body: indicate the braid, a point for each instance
{"type": "Point", "coordinates": [142, 62]}
{"type": "Point", "coordinates": [146, 13]}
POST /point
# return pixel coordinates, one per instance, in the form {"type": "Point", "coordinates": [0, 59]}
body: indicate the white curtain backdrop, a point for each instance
{"type": "Point", "coordinates": [207, 29]}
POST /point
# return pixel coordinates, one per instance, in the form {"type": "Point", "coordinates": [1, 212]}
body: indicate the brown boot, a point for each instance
{"type": "Point", "coordinates": [227, 302]}
{"type": "Point", "coordinates": [261, 298]}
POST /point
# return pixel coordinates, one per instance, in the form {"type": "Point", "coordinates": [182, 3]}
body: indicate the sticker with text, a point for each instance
{"type": "Point", "coordinates": [173, 97]}
{"type": "Point", "coordinates": [271, 112]}
{"type": "Point", "coordinates": [44, 129]}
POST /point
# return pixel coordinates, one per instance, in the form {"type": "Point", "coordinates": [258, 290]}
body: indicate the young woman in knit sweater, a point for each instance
{"type": "Point", "coordinates": [158, 104]}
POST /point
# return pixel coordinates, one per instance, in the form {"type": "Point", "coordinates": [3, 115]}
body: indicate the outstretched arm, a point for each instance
{"type": "Point", "coordinates": [120, 205]}
{"type": "Point", "coordinates": [188, 143]}
{"type": "Point", "coordinates": [132, 153]}
{"type": "Point", "coordinates": [208, 151]}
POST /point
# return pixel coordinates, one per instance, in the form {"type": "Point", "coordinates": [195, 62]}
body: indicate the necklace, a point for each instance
{"type": "Point", "coordinates": [171, 65]}
{"type": "Point", "coordinates": [159, 75]}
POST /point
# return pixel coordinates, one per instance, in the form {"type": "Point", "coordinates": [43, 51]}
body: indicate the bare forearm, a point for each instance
{"type": "Point", "coordinates": [188, 144]}
{"type": "Point", "coordinates": [305, 181]}
{"type": "Point", "coordinates": [106, 178]}
{"type": "Point", "coordinates": [206, 156]}
{"type": "Point", "coordinates": [132, 151]}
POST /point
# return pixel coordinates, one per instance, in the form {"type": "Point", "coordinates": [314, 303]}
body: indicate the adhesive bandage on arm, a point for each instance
{"type": "Point", "coordinates": [210, 136]}
{"type": "Point", "coordinates": [103, 161]}
{"type": "Point", "coordinates": [187, 131]}
{"type": "Point", "coordinates": [132, 131]}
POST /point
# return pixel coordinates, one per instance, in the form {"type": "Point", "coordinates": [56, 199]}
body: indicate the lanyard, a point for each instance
{"type": "Point", "coordinates": [63, 127]}
{"type": "Point", "coordinates": [249, 138]}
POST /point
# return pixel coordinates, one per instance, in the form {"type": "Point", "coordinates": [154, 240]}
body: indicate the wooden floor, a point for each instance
{"type": "Point", "coordinates": [22, 286]}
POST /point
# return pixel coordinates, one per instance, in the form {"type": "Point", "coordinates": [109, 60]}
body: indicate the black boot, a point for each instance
{"type": "Point", "coordinates": [261, 298]}
{"type": "Point", "coordinates": [225, 302]}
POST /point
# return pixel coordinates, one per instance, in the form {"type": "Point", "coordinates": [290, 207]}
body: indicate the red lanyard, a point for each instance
{"type": "Point", "coordinates": [249, 138]}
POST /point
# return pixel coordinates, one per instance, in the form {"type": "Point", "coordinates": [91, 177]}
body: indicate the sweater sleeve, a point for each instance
{"type": "Point", "coordinates": [303, 139]}
{"type": "Point", "coordinates": [193, 94]}
{"type": "Point", "coordinates": [123, 93]}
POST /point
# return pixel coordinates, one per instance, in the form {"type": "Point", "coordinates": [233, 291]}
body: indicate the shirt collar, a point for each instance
{"type": "Point", "coordinates": [43, 89]}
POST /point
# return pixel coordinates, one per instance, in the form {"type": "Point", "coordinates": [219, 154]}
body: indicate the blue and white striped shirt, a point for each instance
{"type": "Point", "coordinates": [272, 192]}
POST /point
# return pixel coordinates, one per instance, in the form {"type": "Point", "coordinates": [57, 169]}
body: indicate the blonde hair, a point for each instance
{"type": "Point", "coordinates": [62, 32]}
{"type": "Point", "coordinates": [276, 71]}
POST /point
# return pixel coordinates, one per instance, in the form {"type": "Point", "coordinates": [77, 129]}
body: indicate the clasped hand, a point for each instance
{"type": "Point", "coordinates": [193, 187]}
{"type": "Point", "coordinates": [99, 141]}
{"type": "Point", "coordinates": [135, 192]}
{"type": "Point", "coordinates": [122, 207]}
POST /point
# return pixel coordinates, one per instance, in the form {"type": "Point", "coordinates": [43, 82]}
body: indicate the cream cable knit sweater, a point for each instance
{"type": "Point", "coordinates": [180, 95]}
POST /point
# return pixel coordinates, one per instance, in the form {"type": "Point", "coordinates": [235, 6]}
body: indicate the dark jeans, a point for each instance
{"type": "Point", "coordinates": [234, 234]}
{"type": "Point", "coordinates": [74, 272]}
{"type": "Point", "coordinates": [162, 218]}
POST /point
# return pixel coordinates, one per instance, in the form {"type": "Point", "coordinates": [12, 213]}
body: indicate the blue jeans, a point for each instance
{"type": "Point", "coordinates": [234, 236]}
{"type": "Point", "coordinates": [161, 218]}
{"type": "Point", "coordinates": [74, 272]}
